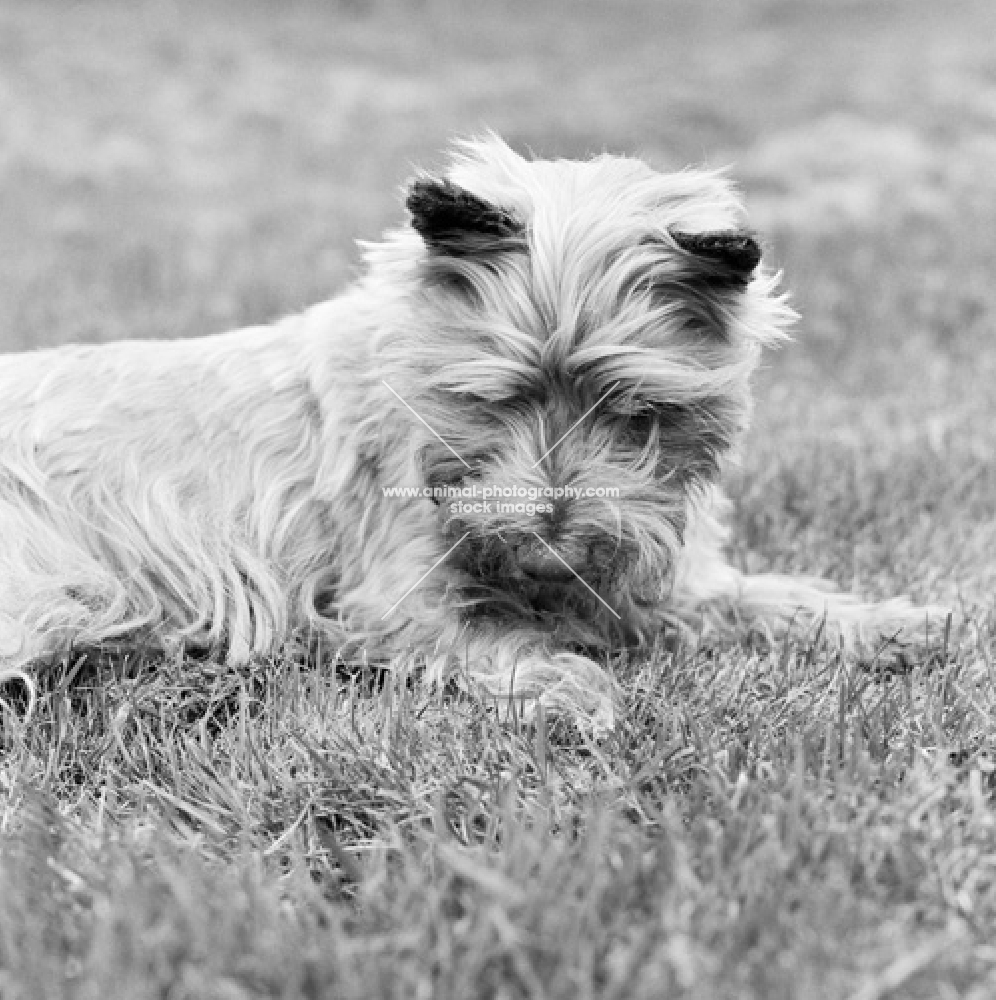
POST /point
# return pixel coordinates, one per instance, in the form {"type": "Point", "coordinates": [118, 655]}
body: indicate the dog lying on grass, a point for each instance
{"type": "Point", "coordinates": [498, 452]}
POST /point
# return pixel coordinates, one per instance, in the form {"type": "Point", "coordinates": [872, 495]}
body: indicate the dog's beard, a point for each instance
{"type": "Point", "coordinates": [605, 564]}
{"type": "Point", "coordinates": [600, 606]}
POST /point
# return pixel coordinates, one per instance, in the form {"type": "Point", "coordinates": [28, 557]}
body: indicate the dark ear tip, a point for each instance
{"type": "Point", "coordinates": [424, 196]}
{"type": "Point", "coordinates": [738, 252]}
{"type": "Point", "coordinates": [414, 194]}
{"type": "Point", "coordinates": [450, 218]}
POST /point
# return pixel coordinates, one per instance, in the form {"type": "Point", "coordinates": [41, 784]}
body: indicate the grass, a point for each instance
{"type": "Point", "coordinates": [760, 823]}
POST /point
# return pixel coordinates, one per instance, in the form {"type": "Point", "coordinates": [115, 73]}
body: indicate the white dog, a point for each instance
{"type": "Point", "coordinates": [498, 452]}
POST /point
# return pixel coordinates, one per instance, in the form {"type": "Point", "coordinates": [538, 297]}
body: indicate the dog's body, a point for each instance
{"type": "Point", "coordinates": [576, 334]}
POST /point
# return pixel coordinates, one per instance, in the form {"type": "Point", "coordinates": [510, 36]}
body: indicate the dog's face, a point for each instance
{"type": "Point", "coordinates": [581, 342]}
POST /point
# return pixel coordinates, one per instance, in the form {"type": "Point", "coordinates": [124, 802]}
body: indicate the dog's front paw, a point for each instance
{"type": "Point", "coordinates": [893, 634]}
{"type": "Point", "coordinates": [520, 681]}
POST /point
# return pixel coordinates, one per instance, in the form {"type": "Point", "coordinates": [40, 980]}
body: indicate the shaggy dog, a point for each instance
{"type": "Point", "coordinates": [498, 452]}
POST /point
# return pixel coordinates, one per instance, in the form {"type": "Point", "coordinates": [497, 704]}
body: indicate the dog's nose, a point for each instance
{"type": "Point", "coordinates": [545, 562]}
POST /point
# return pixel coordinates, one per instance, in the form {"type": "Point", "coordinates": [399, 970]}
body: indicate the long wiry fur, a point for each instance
{"type": "Point", "coordinates": [578, 331]}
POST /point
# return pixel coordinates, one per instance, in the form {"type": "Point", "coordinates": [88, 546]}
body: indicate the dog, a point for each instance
{"type": "Point", "coordinates": [499, 452]}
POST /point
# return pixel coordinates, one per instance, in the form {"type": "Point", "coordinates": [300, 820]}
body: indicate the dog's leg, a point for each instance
{"type": "Point", "coordinates": [775, 605]}
{"type": "Point", "coordinates": [713, 597]}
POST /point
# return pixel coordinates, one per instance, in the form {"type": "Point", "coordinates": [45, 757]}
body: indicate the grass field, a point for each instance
{"type": "Point", "coordinates": [760, 824]}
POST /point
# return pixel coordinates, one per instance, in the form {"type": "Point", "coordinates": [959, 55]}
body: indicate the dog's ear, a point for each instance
{"type": "Point", "coordinates": [733, 255]}
{"type": "Point", "coordinates": [454, 221]}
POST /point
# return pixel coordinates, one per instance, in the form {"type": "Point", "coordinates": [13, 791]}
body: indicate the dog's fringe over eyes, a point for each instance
{"type": "Point", "coordinates": [560, 350]}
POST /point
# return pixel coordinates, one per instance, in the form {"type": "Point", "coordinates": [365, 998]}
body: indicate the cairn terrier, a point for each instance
{"type": "Point", "coordinates": [498, 452]}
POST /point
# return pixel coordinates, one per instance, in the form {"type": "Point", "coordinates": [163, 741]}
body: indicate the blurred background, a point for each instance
{"type": "Point", "coordinates": [177, 168]}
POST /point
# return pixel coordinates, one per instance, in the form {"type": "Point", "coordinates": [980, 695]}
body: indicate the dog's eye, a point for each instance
{"type": "Point", "coordinates": [641, 425]}
{"type": "Point", "coordinates": [662, 416]}
{"type": "Point", "coordinates": [670, 414]}
{"type": "Point", "coordinates": [451, 277]}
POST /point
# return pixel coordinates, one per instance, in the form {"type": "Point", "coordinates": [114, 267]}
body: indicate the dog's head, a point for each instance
{"type": "Point", "coordinates": [580, 337]}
